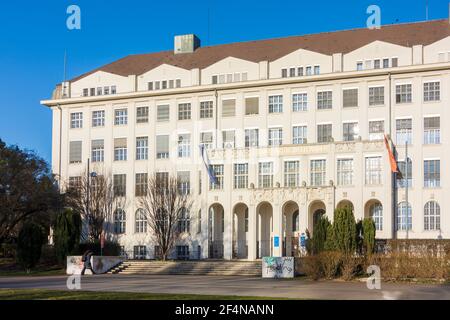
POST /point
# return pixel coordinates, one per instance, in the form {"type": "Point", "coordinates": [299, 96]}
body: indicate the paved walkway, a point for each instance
{"type": "Point", "coordinates": [229, 285]}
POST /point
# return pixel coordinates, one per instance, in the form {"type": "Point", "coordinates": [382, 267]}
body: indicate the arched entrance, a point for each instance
{"type": "Point", "coordinates": [316, 210]}
{"type": "Point", "coordinates": [264, 229]}
{"type": "Point", "coordinates": [240, 231]}
{"type": "Point", "coordinates": [291, 229]}
{"type": "Point", "coordinates": [374, 209]}
{"type": "Point", "coordinates": [216, 230]}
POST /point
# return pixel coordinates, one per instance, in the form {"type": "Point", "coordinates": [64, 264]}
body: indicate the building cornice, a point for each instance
{"type": "Point", "coordinates": [253, 84]}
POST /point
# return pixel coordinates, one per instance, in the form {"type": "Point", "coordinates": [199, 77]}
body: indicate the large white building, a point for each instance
{"type": "Point", "coordinates": [294, 128]}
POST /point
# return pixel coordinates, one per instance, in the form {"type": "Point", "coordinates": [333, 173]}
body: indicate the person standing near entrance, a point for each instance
{"type": "Point", "coordinates": [86, 259]}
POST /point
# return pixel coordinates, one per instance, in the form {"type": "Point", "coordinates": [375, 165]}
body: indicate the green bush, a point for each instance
{"type": "Point", "coordinates": [344, 227]}
{"type": "Point", "coordinates": [368, 231]}
{"type": "Point", "coordinates": [67, 232]}
{"type": "Point", "coordinates": [322, 239]}
{"type": "Point", "coordinates": [29, 245]}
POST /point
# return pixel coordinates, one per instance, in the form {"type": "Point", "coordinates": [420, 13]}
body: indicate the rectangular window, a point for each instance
{"type": "Point", "coordinates": [376, 96]}
{"type": "Point", "coordinates": [324, 133]}
{"type": "Point", "coordinates": [376, 130]}
{"type": "Point", "coordinates": [291, 173]}
{"type": "Point", "coordinates": [385, 63]}
{"type": "Point", "coordinates": [206, 139]}
{"type": "Point", "coordinates": [98, 151]}
{"type": "Point", "coordinates": [141, 184]}
{"type": "Point", "coordinates": [162, 179]}
{"type": "Point", "coordinates": [318, 172]}
{"type": "Point", "coordinates": [432, 173]}
{"type": "Point", "coordinates": [113, 89]}
{"type": "Point", "coordinates": [403, 93]}
{"type": "Point", "coordinates": [184, 111]}
{"type": "Point", "coordinates": [76, 120]}
{"type": "Point", "coordinates": [240, 175]}
{"type": "Point", "coordinates": [162, 147]}
{"type": "Point", "coordinates": [275, 136]}
{"type": "Point", "coordinates": [394, 62]}
{"type": "Point", "coordinates": [142, 148]}
{"type": "Point", "coordinates": [120, 185]}
{"type": "Point", "coordinates": [206, 109]}
{"type": "Point", "coordinates": [75, 151]}
{"type": "Point", "coordinates": [432, 130]}
{"type": "Point", "coordinates": [359, 66]}
{"type": "Point", "coordinates": [164, 84]}
{"type": "Point", "coordinates": [139, 252]}
{"type": "Point", "coordinates": [404, 176]}
{"type": "Point", "coordinates": [75, 184]}
{"type": "Point", "coordinates": [120, 149]}
{"type": "Point", "coordinates": [228, 139]}
{"type": "Point", "coordinates": [85, 92]}
{"type": "Point", "coordinates": [178, 83]}
{"type": "Point", "coordinates": [291, 72]}
{"type": "Point", "coordinates": [162, 113]}
{"type": "Point", "coordinates": [214, 79]}
{"type": "Point", "coordinates": [92, 92]}
{"type": "Point", "coordinates": [432, 91]}
{"type": "Point", "coordinates": [251, 138]}
{"type": "Point", "coordinates": [284, 73]}
{"type": "Point", "coordinates": [299, 135]}
{"type": "Point", "coordinates": [184, 145]}
{"type": "Point", "coordinates": [350, 98]}
{"type": "Point", "coordinates": [276, 104]}
{"type": "Point", "coordinates": [350, 131]}
{"type": "Point", "coordinates": [403, 131]}
{"type": "Point", "coordinates": [324, 100]}
{"type": "Point", "coordinates": [251, 106]}
{"type": "Point", "coordinates": [150, 86]}
{"type": "Point", "coordinates": [184, 182]}
{"type": "Point", "coordinates": [299, 102]}
{"type": "Point", "coordinates": [106, 91]}
{"type": "Point", "coordinates": [377, 64]}
{"type": "Point", "coordinates": [218, 173]}
{"type": "Point", "coordinates": [120, 117]}
{"type": "Point", "coordinates": [300, 71]}
{"type": "Point", "coordinates": [373, 170]}
{"type": "Point", "coordinates": [99, 91]}
{"type": "Point", "coordinates": [171, 84]}
{"type": "Point", "coordinates": [229, 108]}
{"type": "Point", "coordinates": [345, 172]}
{"type": "Point", "coordinates": [142, 115]}
{"type": "Point", "coordinates": [98, 118]}
{"type": "Point", "coordinates": [265, 175]}
{"type": "Point", "coordinates": [316, 70]}
{"type": "Point", "coordinates": [308, 71]}
{"type": "Point", "coordinates": [157, 85]}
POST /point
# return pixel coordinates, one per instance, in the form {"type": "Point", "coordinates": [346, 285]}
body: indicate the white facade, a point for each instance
{"type": "Point", "coordinates": [349, 94]}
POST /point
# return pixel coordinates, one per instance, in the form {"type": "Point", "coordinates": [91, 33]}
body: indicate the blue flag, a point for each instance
{"type": "Point", "coordinates": [209, 168]}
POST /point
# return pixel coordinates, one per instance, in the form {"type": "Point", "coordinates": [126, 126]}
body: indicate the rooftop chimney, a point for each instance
{"type": "Point", "coordinates": [186, 43]}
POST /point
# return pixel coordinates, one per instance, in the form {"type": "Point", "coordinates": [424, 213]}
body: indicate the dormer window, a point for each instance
{"type": "Point", "coordinates": [92, 91]}
{"type": "Point", "coordinates": [316, 69]}
{"type": "Point", "coordinates": [308, 71]}
{"type": "Point", "coordinates": [106, 91]}
{"type": "Point", "coordinates": [385, 63]}
{"type": "Point", "coordinates": [300, 71]}
{"type": "Point", "coordinates": [113, 90]}
{"type": "Point", "coordinates": [292, 72]}
{"type": "Point", "coordinates": [164, 84]}
{"type": "Point", "coordinates": [284, 73]}
{"type": "Point", "coordinates": [359, 66]}
{"type": "Point", "coordinates": [85, 92]}
{"type": "Point", "coordinates": [376, 64]}
{"type": "Point", "coordinates": [99, 91]}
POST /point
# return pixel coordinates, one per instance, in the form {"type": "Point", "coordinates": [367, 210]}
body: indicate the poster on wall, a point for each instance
{"type": "Point", "coordinates": [278, 267]}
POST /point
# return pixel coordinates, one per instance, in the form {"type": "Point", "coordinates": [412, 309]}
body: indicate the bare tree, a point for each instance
{"type": "Point", "coordinates": [96, 199]}
{"type": "Point", "coordinates": [165, 203]}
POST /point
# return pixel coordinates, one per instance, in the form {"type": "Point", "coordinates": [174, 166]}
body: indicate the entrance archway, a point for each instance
{"type": "Point", "coordinates": [240, 231]}
{"type": "Point", "coordinates": [264, 229]}
{"type": "Point", "coordinates": [316, 210]}
{"type": "Point", "coordinates": [291, 228]}
{"type": "Point", "coordinates": [216, 229]}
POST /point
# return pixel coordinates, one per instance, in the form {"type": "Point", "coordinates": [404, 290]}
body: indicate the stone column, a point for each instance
{"type": "Point", "coordinates": [252, 232]}
{"type": "Point", "coordinates": [277, 230]}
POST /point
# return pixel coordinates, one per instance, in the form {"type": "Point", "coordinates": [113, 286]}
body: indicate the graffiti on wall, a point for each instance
{"type": "Point", "coordinates": [278, 267]}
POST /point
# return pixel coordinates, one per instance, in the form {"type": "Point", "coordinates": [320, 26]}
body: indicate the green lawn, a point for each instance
{"type": "Point", "coordinates": [41, 294]}
{"type": "Point", "coordinates": [9, 268]}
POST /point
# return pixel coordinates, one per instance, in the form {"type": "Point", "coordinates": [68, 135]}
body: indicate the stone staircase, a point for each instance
{"type": "Point", "coordinates": [203, 267]}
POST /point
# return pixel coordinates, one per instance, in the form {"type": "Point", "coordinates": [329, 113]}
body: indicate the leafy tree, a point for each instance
{"type": "Point", "coordinates": [67, 233]}
{"type": "Point", "coordinates": [320, 234]}
{"type": "Point", "coordinates": [29, 245]}
{"type": "Point", "coordinates": [369, 230]}
{"type": "Point", "coordinates": [344, 227]}
{"type": "Point", "coordinates": [28, 191]}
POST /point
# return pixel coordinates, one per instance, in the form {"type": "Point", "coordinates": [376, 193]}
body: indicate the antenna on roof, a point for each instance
{"type": "Point", "coordinates": [64, 88]}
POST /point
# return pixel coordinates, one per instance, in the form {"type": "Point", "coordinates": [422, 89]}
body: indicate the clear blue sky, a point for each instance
{"type": "Point", "coordinates": [33, 37]}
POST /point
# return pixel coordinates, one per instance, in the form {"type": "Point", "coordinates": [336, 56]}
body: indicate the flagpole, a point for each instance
{"type": "Point", "coordinates": [407, 187]}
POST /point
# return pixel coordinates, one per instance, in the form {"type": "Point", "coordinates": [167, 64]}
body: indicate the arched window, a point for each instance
{"type": "Point", "coordinates": [140, 221]}
{"type": "Point", "coordinates": [432, 216]}
{"type": "Point", "coordinates": [295, 221]}
{"type": "Point", "coordinates": [376, 213]}
{"type": "Point", "coordinates": [119, 221]}
{"type": "Point", "coordinates": [404, 216]}
{"type": "Point", "coordinates": [184, 221]}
